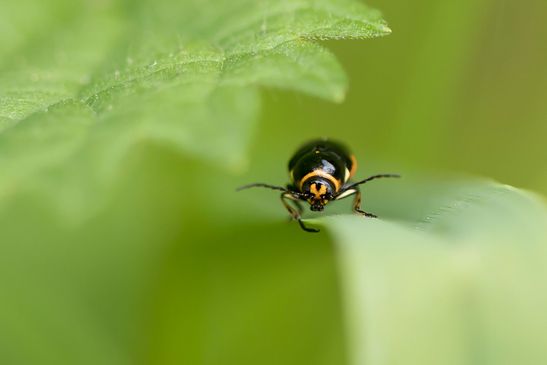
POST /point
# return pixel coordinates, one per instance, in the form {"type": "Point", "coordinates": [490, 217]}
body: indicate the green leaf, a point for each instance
{"type": "Point", "coordinates": [113, 104]}
{"type": "Point", "coordinates": [462, 280]}
{"type": "Point", "coordinates": [81, 84]}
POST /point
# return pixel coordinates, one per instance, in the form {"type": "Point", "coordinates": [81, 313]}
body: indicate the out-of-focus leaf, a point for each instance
{"type": "Point", "coordinates": [82, 83]}
{"type": "Point", "coordinates": [463, 283]}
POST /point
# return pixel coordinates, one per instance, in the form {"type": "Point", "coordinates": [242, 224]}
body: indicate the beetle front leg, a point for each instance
{"type": "Point", "coordinates": [298, 206]}
{"type": "Point", "coordinates": [295, 214]}
{"type": "Point", "coordinates": [357, 205]}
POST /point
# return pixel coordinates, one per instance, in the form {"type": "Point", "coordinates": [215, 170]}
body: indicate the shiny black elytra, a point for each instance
{"type": "Point", "coordinates": [320, 172]}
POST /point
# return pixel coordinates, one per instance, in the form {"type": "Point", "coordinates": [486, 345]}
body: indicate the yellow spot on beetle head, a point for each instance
{"type": "Point", "coordinates": [318, 190]}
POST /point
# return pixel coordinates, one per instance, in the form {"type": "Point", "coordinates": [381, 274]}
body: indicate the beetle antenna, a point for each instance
{"type": "Point", "coordinates": [373, 177]}
{"type": "Point", "coordinates": [261, 185]}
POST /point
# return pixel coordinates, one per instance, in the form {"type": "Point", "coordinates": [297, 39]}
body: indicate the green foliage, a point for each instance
{"type": "Point", "coordinates": [130, 118]}
{"type": "Point", "coordinates": [461, 281]}
{"type": "Point", "coordinates": [123, 116]}
{"type": "Point", "coordinates": [82, 84]}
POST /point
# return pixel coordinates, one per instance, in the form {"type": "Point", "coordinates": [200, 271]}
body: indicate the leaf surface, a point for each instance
{"type": "Point", "coordinates": [82, 84]}
{"type": "Point", "coordinates": [458, 282]}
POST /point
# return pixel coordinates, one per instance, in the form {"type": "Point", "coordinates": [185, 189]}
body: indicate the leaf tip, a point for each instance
{"type": "Point", "coordinates": [385, 29]}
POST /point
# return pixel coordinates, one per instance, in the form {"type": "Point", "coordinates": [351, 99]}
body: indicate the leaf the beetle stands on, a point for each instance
{"type": "Point", "coordinates": [456, 285]}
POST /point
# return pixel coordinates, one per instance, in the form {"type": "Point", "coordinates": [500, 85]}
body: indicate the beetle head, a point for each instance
{"type": "Point", "coordinates": [318, 192]}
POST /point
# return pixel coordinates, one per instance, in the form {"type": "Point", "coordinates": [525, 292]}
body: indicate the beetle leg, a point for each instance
{"type": "Point", "coordinates": [357, 205]}
{"type": "Point", "coordinates": [295, 214]}
{"type": "Point", "coordinates": [372, 178]}
{"type": "Point", "coordinates": [298, 206]}
{"type": "Point", "coordinates": [345, 193]}
{"type": "Point", "coordinates": [291, 195]}
{"type": "Point", "coordinates": [261, 185]}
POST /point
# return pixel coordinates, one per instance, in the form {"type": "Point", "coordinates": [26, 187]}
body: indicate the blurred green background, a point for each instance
{"type": "Point", "coordinates": [458, 86]}
{"type": "Point", "coordinates": [174, 267]}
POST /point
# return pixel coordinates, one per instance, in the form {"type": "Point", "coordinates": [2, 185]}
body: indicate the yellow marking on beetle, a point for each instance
{"type": "Point", "coordinates": [322, 190]}
{"type": "Point", "coordinates": [353, 166]}
{"type": "Point", "coordinates": [321, 173]}
{"type": "Point", "coordinates": [347, 175]}
{"type": "Point", "coordinates": [346, 193]}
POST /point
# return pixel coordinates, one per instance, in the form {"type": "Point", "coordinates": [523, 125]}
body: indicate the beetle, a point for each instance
{"type": "Point", "coordinates": [320, 172]}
